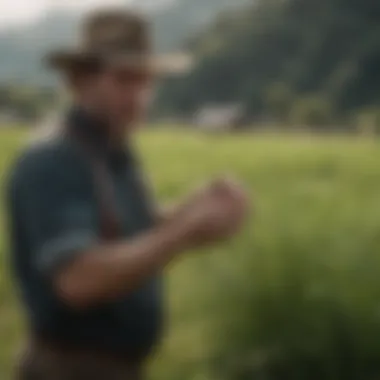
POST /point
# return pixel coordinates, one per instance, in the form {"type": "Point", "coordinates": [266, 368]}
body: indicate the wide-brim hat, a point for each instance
{"type": "Point", "coordinates": [121, 38]}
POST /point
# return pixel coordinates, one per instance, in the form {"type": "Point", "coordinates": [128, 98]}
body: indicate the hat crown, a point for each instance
{"type": "Point", "coordinates": [116, 31]}
{"type": "Point", "coordinates": [116, 37]}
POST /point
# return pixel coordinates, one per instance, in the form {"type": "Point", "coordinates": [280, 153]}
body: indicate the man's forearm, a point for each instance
{"type": "Point", "coordinates": [109, 271]}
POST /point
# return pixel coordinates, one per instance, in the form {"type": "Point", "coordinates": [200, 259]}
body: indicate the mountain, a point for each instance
{"type": "Point", "coordinates": [173, 21]}
{"type": "Point", "coordinates": [289, 59]}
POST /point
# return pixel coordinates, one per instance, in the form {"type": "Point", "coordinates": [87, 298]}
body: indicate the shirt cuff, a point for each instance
{"type": "Point", "coordinates": [61, 251]}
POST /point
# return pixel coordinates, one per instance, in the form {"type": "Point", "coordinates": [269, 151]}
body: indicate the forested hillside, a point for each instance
{"type": "Point", "coordinates": [291, 60]}
{"type": "Point", "coordinates": [182, 19]}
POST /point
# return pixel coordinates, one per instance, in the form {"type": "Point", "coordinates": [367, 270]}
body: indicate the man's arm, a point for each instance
{"type": "Point", "coordinates": [59, 222]}
{"type": "Point", "coordinates": [108, 271]}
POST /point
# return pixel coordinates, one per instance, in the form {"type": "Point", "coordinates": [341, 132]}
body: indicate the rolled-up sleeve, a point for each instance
{"type": "Point", "coordinates": [60, 250]}
{"type": "Point", "coordinates": [55, 213]}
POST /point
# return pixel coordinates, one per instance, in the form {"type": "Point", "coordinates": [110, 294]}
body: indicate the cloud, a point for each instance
{"type": "Point", "coordinates": [20, 10]}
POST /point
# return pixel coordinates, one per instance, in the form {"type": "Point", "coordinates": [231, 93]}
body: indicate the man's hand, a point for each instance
{"type": "Point", "coordinates": [215, 212]}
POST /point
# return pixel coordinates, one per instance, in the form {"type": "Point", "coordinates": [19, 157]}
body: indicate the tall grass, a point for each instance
{"type": "Point", "coordinates": [297, 294]}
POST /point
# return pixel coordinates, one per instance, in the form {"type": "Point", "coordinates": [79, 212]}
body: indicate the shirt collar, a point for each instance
{"type": "Point", "coordinates": [95, 132]}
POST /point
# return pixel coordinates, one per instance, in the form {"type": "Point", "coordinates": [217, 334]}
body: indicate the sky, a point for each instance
{"type": "Point", "coordinates": [20, 11]}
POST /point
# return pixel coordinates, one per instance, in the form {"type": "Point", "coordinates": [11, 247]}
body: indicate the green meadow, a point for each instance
{"type": "Point", "coordinates": [296, 295]}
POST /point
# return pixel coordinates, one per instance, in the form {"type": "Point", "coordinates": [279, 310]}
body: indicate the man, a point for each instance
{"type": "Point", "coordinates": [88, 246]}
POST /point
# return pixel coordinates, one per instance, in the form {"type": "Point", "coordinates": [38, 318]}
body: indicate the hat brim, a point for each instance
{"type": "Point", "coordinates": [164, 64]}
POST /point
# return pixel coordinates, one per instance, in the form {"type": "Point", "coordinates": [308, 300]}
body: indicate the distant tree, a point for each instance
{"type": "Point", "coordinates": [368, 121]}
{"type": "Point", "coordinates": [279, 98]}
{"type": "Point", "coordinates": [312, 111]}
{"type": "Point", "coordinates": [26, 102]}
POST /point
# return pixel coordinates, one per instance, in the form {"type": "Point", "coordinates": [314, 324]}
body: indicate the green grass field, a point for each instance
{"type": "Point", "coordinates": [297, 294]}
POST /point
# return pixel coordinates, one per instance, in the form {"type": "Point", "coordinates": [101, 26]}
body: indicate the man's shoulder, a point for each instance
{"type": "Point", "coordinates": [44, 158]}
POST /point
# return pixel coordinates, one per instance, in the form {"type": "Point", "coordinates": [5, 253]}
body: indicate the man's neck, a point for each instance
{"type": "Point", "coordinates": [113, 134]}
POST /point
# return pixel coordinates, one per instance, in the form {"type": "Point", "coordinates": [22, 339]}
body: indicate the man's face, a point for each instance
{"type": "Point", "coordinates": [122, 95]}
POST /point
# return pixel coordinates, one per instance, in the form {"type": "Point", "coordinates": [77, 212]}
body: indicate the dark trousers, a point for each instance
{"type": "Point", "coordinates": [39, 362]}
